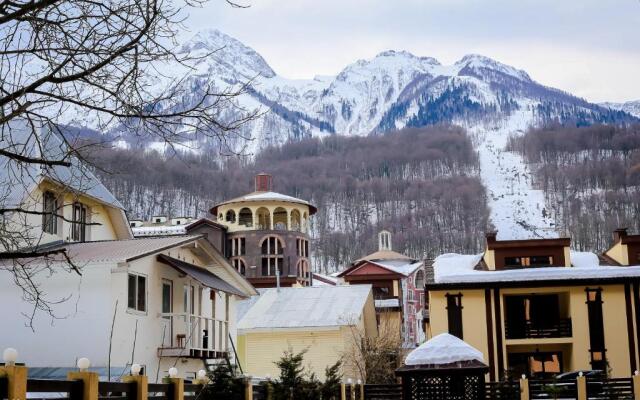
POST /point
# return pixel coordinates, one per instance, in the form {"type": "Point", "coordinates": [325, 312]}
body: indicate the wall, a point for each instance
{"type": "Point", "coordinates": [83, 323]}
{"type": "Point", "coordinates": [475, 332]}
{"type": "Point", "coordinates": [261, 350]}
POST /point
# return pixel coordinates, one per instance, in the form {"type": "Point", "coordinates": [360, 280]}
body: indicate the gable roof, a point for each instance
{"type": "Point", "coordinates": [404, 267]}
{"type": "Point", "coordinates": [20, 179]}
{"type": "Point", "coordinates": [306, 307]}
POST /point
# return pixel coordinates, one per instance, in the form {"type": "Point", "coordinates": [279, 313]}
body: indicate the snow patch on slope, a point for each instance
{"type": "Point", "coordinates": [518, 211]}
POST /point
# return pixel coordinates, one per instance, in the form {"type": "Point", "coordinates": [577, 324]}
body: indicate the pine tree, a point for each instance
{"type": "Point", "coordinates": [224, 384]}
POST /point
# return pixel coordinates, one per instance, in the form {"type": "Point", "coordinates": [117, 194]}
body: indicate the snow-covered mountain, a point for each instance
{"type": "Point", "coordinates": [390, 91]}
{"type": "Point", "coordinates": [631, 107]}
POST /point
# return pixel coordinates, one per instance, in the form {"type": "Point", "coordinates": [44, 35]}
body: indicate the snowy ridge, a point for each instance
{"type": "Point", "coordinates": [631, 107]}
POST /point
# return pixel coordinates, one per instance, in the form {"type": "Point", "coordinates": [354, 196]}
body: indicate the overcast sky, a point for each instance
{"type": "Point", "coordinates": [590, 48]}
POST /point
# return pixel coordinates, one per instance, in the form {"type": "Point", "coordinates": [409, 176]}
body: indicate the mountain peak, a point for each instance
{"type": "Point", "coordinates": [478, 62]}
{"type": "Point", "coordinates": [228, 51]}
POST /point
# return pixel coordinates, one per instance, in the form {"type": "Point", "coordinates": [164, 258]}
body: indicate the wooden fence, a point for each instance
{"type": "Point", "coordinates": [83, 385]}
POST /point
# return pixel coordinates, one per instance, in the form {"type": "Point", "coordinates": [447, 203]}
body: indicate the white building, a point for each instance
{"type": "Point", "coordinates": [159, 302]}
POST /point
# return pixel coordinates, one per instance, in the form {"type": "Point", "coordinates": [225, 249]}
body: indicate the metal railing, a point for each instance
{"type": "Point", "coordinates": [194, 332]}
{"type": "Point", "coordinates": [532, 330]}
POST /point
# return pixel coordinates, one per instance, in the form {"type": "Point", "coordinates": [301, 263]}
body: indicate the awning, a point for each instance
{"type": "Point", "coordinates": [202, 275]}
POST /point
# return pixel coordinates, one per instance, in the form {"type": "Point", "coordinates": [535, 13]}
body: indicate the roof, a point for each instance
{"type": "Point", "coordinates": [200, 274]}
{"type": "Point", "coordinates": [443, 349]}
{"type": "Point", "coordinates": [266, 196]}
{"type": "Point", "coordinates": [159, 230]}
{"type": "Point", "coordinates": [306, 307]}
{"type": "Point", "coordinates": [458, 269]}
{"type": "Point", "coordinates": [383, 255]}
{"type": "Point", "coordinates": [387, 303]}
{"type": "Point", "coordinates": [122, 250]}
{"type": "Point", "coordinates": [17, 180]}
{"type": "Point", "coordinates": [323, 280]}
{"type": "Point", "coordinates": [403, 267]}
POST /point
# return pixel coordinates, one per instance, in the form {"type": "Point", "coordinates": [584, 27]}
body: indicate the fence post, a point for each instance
{"type": "Point", "coordinates": [581, 386]}
{"type": "Point", "coordinates": [636, 385]}
{"type": "Point", "coordinates": [16, 376]}
{"type": "Point", "coordinates": [343, 391]}
{"type": "Point", "coordinates": [142, 385]}
{"type": "Point", "coordinates": [524, 388]}
{"type": "Point", "coordinates": [361, 389]}
{"type": "Point", "coordinates": [90, 381]}
{"type": "Point", "coordinates": [248, 389]}
{"type": "Point", "coordinates": [177, 388]}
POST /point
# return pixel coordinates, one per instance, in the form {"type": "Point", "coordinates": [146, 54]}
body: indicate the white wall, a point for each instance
{"type": "Point", "coordinates": [81, 331]}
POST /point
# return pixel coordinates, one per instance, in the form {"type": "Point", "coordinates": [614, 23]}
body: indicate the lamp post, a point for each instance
{"type": "Point", "coordinates": [9, 356]}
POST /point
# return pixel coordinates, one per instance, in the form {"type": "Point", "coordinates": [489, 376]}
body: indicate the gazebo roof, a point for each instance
{"type": "Point", "coordinates": [444, 349]}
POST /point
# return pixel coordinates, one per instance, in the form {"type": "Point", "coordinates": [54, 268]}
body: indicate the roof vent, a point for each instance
{"type": "Point", "coordinates": [263, 183]}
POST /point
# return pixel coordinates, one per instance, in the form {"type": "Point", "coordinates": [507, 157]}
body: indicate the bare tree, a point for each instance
{"type": "Point", "coordinates": [374, 358]}
{"type": "Point", "coordinates": [101, 60]}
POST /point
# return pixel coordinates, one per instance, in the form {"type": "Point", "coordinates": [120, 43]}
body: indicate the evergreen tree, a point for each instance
{"type": "Point", "coordinates": [224, 384]}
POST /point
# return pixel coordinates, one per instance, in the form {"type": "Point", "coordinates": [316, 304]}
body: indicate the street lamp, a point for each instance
{"type": "Point", "coordinates": [10, 355]}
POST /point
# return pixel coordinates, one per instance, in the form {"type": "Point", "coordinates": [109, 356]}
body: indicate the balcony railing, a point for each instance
{"type": "Point", "coordinates": [534, 330]}
{"type": "Point", "coordinates": [188, 335]}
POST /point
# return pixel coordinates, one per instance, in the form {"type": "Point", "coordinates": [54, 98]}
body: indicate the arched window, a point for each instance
{"type": "Point", "coordinates": [304, 222]}
{"type": "Point", "coordinates": [280, 219]}
{"type": "Point", "coordinates": [420, 280]}
{"type": "Point", "coordinates": [264, 218]}
{"type": "Point", "coordinates": [295, 220]}
{"type": "Point", "coordinates": [245, 217]}
{"type": "Point", "coordinates": [231, 216]}
{"type": "Point", "coordinates": [239, 265]}
{"type": "Point", "coordinates": [272, 256]}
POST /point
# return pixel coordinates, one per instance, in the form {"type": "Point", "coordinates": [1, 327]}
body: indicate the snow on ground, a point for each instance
{"type": "Point", "coordinates": [518, 210]}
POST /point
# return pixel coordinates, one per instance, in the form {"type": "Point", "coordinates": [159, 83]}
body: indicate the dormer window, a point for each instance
{"type": "Point", "coordinates": [49, 209]}
{"type": "Point", "coordinates": [532, 261]}
{"type": "Point", "coordinates": [79, 225]}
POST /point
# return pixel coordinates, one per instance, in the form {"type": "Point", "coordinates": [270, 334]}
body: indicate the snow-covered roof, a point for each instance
{"type": "Point", "coordinates": [402, 267]}
{"type": "Point", "coordinates": [306, 307]}
{"type": "Point", "coordinates": [387, 303]}
{"type": "Point", "coordinates": [459, 268]}
{"type": "Point", "coordinates": [324, 280]}
{"type": "Point", "coordinates": [159, 230]}
{"type": "Point", "coordinates": [443, 349]}
{"type": "Point", "coordinates": [266, 196]}
{"type": "Point", "coordinates": [386, 255]}
{"type": "Point", "coordinates": [17, 180]}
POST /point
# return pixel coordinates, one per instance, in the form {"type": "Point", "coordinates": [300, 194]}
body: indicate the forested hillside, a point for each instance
{"type": "Point", "coordinates": [590, 176]}
{"type": "Point", "coordinates": [421, 184]}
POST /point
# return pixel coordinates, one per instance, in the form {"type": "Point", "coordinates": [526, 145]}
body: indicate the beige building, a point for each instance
{"type": "Point", "coordinates": [323, 321]}
{"type": "Point", "coordinates": [535, 307]}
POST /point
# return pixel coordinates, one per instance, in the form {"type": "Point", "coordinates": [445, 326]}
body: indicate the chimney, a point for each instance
{"type": "Point", "coordinates": [619, 234]}
{"type": "Point", "coordinates": [263, 182]}
{"type": "Point", "coordinates": [491, 238]}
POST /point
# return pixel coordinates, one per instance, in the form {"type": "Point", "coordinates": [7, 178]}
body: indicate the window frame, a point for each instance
{"type": "Point", "coordinates": [138, 277]}
{"type": "Point", "coordinates": [79, 218]}
{"type": "Point", "coordinates": [49, 213]}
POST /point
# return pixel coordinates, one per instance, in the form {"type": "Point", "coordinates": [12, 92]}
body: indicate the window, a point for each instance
{"type": "Point", "coordinates": [410, 294]}
{"type": "Point", "coordinates": [533, 261]}
{"type": "Point", "coordinates": [454, 314]}
{"type": "Point", "coordinates": [50, 209]}
{"type": "Point", "coordinates": [239, 265]}
{"type": "Point", "coordinates": [79, 225]}
{"type": "Point", "coordinates": [596, 329]}
{"type": "Point", "coordinates": [230, 216]}
{"type": "Point", "coordinates": [272, 256]}
{"type": "Point", "coordinates": [137, 293]}
{"type": "Point", "coordinates": [303, 269]}
{"type": "Point", "coordinates": [302, 247]}
{"type": "Point", "coordinates": [158, 221]}
{"type": "Point", "coordinates": [419, 282]}
{"type": "Point", "coordinates": [167, 296]}
{"type": "Point", "coordinates": [245, 217]}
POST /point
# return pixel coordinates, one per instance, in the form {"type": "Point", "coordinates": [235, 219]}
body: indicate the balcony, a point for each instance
{"type": "Point", "coordinates": [538, 330]}
{"type": "Point", "coordinates": [193, 336]}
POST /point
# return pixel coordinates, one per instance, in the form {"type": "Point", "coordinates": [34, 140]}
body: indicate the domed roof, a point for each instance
{"type": "Point", "coordinates": [261, 196]}
{"type": "Point", "coordinates": [443, 349]}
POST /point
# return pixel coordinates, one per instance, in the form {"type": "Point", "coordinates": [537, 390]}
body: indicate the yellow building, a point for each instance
{"type": "Point", "coordinates": [535, 307]}
{"type": "Point", "coordinates": [323, 321]}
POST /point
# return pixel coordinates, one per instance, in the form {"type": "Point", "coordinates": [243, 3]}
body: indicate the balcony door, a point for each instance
{"type": "Point", "coordinates": [167, 308]}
